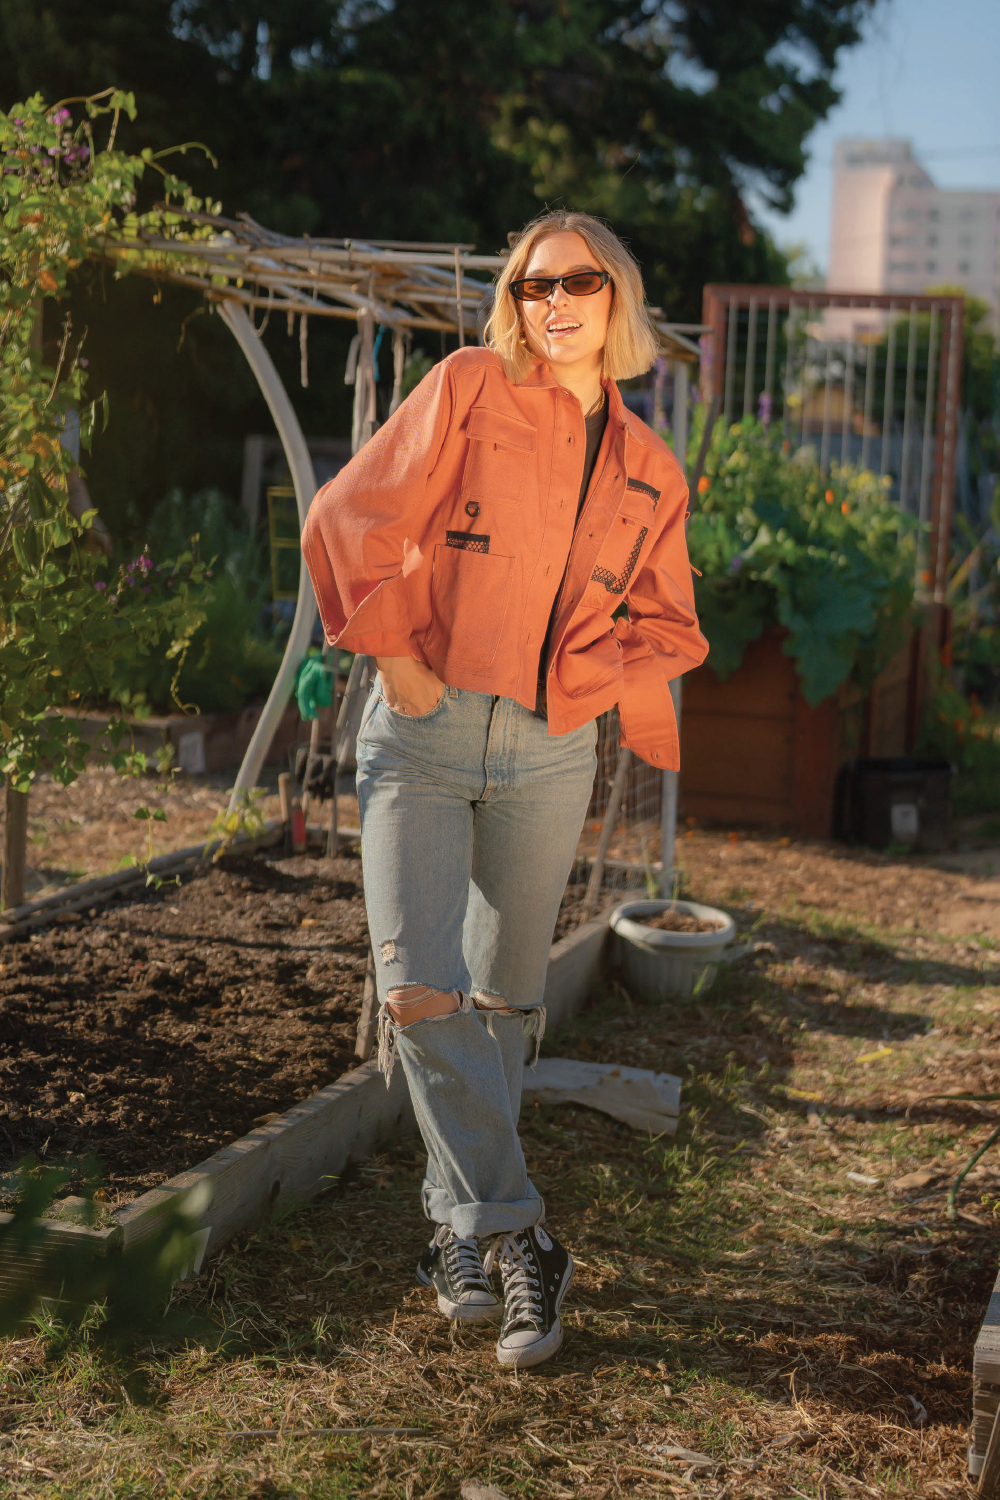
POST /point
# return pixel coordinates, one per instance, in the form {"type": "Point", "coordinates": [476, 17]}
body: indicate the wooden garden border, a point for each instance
{"type": "Point", "coordinates": [282, 1164]}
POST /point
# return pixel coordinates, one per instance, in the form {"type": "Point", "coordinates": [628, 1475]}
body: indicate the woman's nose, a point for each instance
{"type": "Point", "coordinates": [558, 296]}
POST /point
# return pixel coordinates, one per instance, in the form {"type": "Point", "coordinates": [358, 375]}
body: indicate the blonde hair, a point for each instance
{"type": "Point", "coordinates": [632, 343]}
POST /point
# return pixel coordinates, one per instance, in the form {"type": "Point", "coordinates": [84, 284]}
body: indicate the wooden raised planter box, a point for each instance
{"type": "Point", "coordinates": [754, 751]}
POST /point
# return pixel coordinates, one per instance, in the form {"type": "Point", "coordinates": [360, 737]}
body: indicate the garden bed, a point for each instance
{"type": "Point", "coordinates": [163, 1027]}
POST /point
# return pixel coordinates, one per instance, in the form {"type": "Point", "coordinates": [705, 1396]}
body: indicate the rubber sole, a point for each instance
{"type": "Point", "coordinates": [538, 1353]}
{"type": "Point", "coordinates": [464, 1312]}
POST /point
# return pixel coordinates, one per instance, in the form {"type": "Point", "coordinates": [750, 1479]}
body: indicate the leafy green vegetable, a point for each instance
{"type": "Point", "coordinates": [829, 558]}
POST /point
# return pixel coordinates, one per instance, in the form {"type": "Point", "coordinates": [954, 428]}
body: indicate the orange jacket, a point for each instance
{"type": "Point", "coordinates": [447, 538]}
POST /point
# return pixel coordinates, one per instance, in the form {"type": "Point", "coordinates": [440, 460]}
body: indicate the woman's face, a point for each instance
{"type": "Point", "coordinates": [565, 330]}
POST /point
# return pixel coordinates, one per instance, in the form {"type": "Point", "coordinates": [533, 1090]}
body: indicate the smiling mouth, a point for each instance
{"type": "Point", "coordinates": [562, 325]}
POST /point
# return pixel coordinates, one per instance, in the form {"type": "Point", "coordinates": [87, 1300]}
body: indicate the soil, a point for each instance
{"type": "Point", "coordinates": [163, 1027]}
{"type": "Point", "coordinates": [678, 921]}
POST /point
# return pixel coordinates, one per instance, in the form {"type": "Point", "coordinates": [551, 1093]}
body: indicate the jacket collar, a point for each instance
{"type": "Point", "coordinates": [540, 375]}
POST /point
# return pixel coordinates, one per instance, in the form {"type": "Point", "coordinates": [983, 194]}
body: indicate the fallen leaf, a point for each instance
{"type": "Point", "coordinates": [473, 1490]}
{"type": "Point", "coordinates": [686, 1455]}
{"type": "Point", "coordinates": [872, 1056]}
{"type": "Point", "coordinates": [860, 1177]}
{"type": "Point", "coordinates": [268, 1119]}
{"type": "Point", "coordinates": [803, 1094]}
{"type": "Point", "coordinates": [918, 1179]}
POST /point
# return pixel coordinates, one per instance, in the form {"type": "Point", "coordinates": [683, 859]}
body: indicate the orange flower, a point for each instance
{"type": "Point", "coordinates": [829, 497]}
{"type": "Point", "coordinates": [927, 578]}
{"type": "Point", "coordinates": [947, 656]}
{"type": "Point", "coordinates": [733, 836]}
{"type": "Point", "coordinates": [844, 507]}
{"type": "Point", "coordinates": [704, 484]}
{"type": "Point", "coordinates": [786, 446]}
{"type": "Point", "coordinates": [689, 834]}
{"type": "Point", "coordinates": [691, 822]}
{"type": "Point", "coordinates": [959, 728]}
{"type": "Point", "coordinates": [48, 282]}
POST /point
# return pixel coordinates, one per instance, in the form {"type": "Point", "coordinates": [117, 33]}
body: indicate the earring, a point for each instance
{"type": "Point", "coordinates": [522, 340]}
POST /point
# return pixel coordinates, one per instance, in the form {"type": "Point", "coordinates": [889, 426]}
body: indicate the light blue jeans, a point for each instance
{"type": "Point", "coordinates": [470, 817]}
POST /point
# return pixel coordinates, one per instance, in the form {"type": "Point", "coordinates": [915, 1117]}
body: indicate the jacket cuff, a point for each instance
{"type": "Point", "coordinates": [646, 708]}
{"type": "Point", "coordinates": [380, 626]}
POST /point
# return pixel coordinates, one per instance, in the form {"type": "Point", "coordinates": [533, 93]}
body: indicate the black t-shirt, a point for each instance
{"type": "Point", "coordinates": [595, 426]}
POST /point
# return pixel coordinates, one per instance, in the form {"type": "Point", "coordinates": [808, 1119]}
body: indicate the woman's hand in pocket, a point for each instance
{"type": "Point", "coordinates": [408, 686]}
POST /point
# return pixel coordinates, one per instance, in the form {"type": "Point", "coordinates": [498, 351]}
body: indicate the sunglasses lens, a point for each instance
{"type": "Point", "coordinates": [531, 290]}
{"type": "Point", "coordinates": [585, 284]}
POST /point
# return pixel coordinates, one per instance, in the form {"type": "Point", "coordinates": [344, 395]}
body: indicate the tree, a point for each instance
{"type": "Point", "coordinates": [430, 119]}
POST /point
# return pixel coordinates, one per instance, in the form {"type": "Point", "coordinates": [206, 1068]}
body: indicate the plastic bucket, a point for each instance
{"type": "Point", "coordinates": [657, 964]}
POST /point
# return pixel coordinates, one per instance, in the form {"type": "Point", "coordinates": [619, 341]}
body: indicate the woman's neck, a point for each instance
{"type": "Point", "coordinates": [584, 381]}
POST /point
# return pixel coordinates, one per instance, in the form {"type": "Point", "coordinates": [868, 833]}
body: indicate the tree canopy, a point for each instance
{"type": "Point", "coordinates": [425, 119]}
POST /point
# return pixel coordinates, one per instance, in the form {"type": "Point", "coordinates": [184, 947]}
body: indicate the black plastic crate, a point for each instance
{"type": "Point", "coordinates": [895, 800]}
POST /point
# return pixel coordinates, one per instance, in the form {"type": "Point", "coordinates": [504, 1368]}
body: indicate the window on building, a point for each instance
{"type": "Point", "coordinates": [933, 215]}
{"type": "Point", "coordinates": [964, 268]}
{"type": "Point", "coordinates": [902, 267]}
{"type": "Point", "coordinates": [931, 265]}
{"type": "Point", "coordinates": [932, 239]}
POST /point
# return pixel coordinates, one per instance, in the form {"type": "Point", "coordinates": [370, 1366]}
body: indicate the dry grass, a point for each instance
{"type": "Point", "coordinates": [739, 1294]}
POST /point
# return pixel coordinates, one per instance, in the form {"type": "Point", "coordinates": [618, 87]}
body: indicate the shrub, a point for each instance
{"type": "Point", "coordinates": [779, 543]}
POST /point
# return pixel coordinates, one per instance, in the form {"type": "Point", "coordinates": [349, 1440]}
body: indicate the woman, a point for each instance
{"type": "Point", "coordinates": [478, 547]}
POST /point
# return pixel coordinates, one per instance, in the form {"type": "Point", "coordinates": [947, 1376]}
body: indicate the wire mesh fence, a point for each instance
{"type": "Point", "coordinates": [631, 842]}
{"type": "Point", "coordinates": [868, 380]}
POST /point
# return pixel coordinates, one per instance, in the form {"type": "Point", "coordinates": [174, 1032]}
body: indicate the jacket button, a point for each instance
{"type": "Point", "coordinates": [472, 509]}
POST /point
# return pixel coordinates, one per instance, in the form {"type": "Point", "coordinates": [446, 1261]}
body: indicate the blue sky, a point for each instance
{"type": "Point", "coordinates": [927, 70]}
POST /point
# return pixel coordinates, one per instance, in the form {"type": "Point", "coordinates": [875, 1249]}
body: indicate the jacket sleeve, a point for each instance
{"type": "Point", "coordinates": [355, 533]}
{"type": "Point", "coordinates": [660, 639]}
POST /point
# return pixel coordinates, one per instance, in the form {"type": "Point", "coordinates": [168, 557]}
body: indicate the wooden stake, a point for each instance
{"type": "Point", "coordinates": [15, 847]}
{"type": "Point", "coordinates": [285, 796]}
{"type": "Point", "coordinates": [989, 1477]}
{"type": "Point", "coordinates": [368, 1020]}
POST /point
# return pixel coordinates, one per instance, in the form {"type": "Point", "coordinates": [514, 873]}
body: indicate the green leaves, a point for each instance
{"type": "Point", "coordinates": [828, 558]}
{"type": "Point", "coordinates": [68, 630]}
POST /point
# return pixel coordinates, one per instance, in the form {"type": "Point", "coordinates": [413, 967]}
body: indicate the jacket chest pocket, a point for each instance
{"type": "Point", "coordinates": [501, 452]}
{"type": "Point", "coordinates": [619, 556]}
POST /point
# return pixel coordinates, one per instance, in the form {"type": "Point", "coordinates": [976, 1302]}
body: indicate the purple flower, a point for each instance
{"type": "Point", "coordinates": [736, 565]}
{"type": "Point", "coordinates": [17, 121]}
{"type": "Point", "coordinates": [764, 408]}
{"type": "Point", "coordinates": [61, 117]}
{"type": "Point", "coordinates": [147, 589]}
{"type": "Point", "coordinates": [100, 585]}
{"type": "Point", "coordinates": [83, 362]}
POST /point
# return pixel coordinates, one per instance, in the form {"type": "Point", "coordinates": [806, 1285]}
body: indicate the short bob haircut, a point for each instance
{"type": "Point", "coordinates": [632, 344]}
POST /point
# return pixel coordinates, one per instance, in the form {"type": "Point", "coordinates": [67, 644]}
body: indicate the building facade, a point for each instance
{"type": "Point", "coordinates": [893, 230]}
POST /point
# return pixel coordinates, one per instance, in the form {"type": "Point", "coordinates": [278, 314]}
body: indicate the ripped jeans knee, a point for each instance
{"type": "Point", "coordinates": [532, 1018]}
{"type": "Point", "coordinates": [407, 1004]}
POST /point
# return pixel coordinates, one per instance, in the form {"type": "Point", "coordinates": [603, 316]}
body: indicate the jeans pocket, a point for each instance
{"type": "Point", "coordinates": [431, 713]}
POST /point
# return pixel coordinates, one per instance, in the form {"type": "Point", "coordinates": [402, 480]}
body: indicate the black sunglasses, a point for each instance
{"type": "Point", "coordinates": [578, 284]}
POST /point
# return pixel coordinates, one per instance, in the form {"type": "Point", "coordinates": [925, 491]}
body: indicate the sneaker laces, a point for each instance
{"type": "Point", "coordinates": [521, 1280]}
{"type": "Point", "coordinates": [463, 1259]}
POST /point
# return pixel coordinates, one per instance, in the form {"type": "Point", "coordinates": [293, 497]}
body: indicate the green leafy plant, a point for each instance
{"type": "Point", "coordinates": [229, 660]}
{"type": "Point", "coordinates": [66, 627]}
{"type": "Point", "coordinates": [778, 543]}
{"type": "Point", "coordinates": [111, 1296]}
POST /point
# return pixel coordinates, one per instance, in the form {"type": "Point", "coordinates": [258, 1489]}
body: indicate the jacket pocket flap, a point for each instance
{"type": "Point", "coordinates": [495, 427]}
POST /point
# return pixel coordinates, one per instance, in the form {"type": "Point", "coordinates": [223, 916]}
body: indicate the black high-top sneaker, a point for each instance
{"type": "Point", "coordinates": [454, 1268]}
{"type": "Point", "coordinates": [536, 1273]}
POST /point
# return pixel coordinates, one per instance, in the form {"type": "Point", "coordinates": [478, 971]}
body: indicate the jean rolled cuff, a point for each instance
{"type": "Point", "coordinates": [477, 1221]}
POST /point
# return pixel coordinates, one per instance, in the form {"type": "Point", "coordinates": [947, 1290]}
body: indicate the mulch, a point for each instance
{"type": "Point", "coordinates": [159, 1029]}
